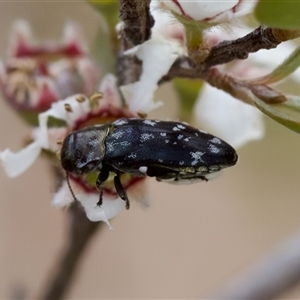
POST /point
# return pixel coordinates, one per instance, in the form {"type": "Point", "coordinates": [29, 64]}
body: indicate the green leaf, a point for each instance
{"type": "Point", "coordinates": [283, 70]}
{"type": "Point", "coordinates": [286, 113]}
{"type": "Point", "coordinates": [54, 122]}
{"type": "Point", "coordinates": [188, 91]}
{"type": "Point", "coordinates": [278, 13]}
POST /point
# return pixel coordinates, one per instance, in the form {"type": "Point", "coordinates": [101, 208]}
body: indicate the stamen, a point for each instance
{"type": "Point", "coordinates": [142, 114]}
{"type": "Point", "coordinates": [68, 107]}
{"type": "Point", "coordinates": [80, 98]}
{"type": "Point", "coordinates": [57, 154]}
{"type": "Point", "coordinates": [96, 97]}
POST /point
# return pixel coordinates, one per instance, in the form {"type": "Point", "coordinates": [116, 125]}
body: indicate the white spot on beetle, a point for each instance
{"type": "Point", "coordinates": [180, 137]}
{"type": "Point", "coordinates": [180, 126]}
{"type": "Point", "coordinates": [117, 134]}
{"type": "Point", "coordinates": [132, 155]}
{"type": "Point", "coordinates": [213, 149]}
{"type": "Point", "coordinates": [163, 134]}
{"type": "Point", "coordinates": [160, 160]}
{"type": "Point", "coordinates": [125, 143]}
{"type": "Point", "coordinates": [143, 169]}
{"type": "Point", "coordinates": [175, 143]}
{"type": "Point", "coordinates": [167, 141]}
{"type": "Point", "coordinates": [187, 139]}
{"type": "Point", "coordinates": [216, 140]}
{"type": "Point", "coordinates": [196, 134]}
{"type": "Point", "coordinates": [110, 147]}
{"type": "Point", "coordinates": [149, 122]}
{"type": "Point", "coordinates": [181, 163]}
{"type": "Point", "coordinates": [146, 136]}
{"type": "Point", "coordinates": [176, 128]}
{"type": "Point", "coordinates": [196, 156]}
{"type": "Point", "coordinates": [93, 142]}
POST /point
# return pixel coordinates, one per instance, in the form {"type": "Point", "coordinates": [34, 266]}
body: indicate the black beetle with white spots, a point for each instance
{"type": "Point", "coordinates": [170, 151]}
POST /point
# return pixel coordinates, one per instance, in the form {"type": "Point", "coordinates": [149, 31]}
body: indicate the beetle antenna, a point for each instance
{"type": "Point", "coordinates": [70, 188]}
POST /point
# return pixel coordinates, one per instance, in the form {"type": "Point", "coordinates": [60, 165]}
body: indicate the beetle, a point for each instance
{"type": "Point", "coordinates": [170, 151]}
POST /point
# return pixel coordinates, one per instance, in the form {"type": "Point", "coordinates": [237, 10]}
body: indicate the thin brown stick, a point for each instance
{"type": "Point", "coordinates": [261, 38]}
{"type": "Point", "coordinates": [137, 21]}
{"type": "Point", "coordinates": [81, 230]}
{"type": "Point", "coordinates": [227, 51]}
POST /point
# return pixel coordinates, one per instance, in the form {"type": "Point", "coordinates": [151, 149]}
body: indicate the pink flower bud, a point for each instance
{"type": "Point", "coordinates": [37, 74]}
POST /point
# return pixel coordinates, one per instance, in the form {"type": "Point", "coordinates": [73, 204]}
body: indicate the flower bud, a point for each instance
{"type": "Point", "coordinates": [37, 74]}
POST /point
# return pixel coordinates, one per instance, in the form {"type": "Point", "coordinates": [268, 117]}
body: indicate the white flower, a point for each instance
{"type": "Point", "coordinates": [209, 11]}
{"type": "Point", "coordinates": [111, 205]}
{"type": "Point", "coordinates": [36, 74]}
{"type": "Point", "coordinates": [76, 111]}
{"type": "Point", "coordinates": [157, 56]}
{"type": "Point", "coordinates": [232, 120]}
{"type": "Point", "coordinates": [166, 26]}
{"type": "Point", "coordinates": [212, 104]}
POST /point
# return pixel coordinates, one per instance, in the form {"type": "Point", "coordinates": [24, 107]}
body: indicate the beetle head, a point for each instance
{"type": "Point", "coordinates": [83, 150]}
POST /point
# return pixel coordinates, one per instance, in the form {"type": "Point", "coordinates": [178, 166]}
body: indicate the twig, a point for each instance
{"type": "Point", "coordinates": [269, 278]}
{"type": "Point", "coordinates": [81, 232]}
{"type": "Point", "coordinates": [227, 51]}
{"type": "Point", "coordinates": [137, 21]}
{"type": "Point", "coordinates": [261, 38]}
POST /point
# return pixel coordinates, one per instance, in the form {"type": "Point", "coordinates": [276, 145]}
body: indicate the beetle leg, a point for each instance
{"type": "Point", "coordinates": [120, 190]}
{"type": "Point", "coordinates": [103, 175]}
{"type": "Point", "coordinates": [99, 203]}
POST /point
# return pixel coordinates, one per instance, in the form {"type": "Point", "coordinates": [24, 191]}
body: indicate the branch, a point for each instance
{"type": "Point", "coordinates": [226, 51]}
{"type": "Point", "coordinates": [137, 22]}
{"type": "Point", "coordinates": [261, 38]}
{"type": "Point", "coordinates": [81, 231]}
{"type": "Point", "coordinates": [269, 278]}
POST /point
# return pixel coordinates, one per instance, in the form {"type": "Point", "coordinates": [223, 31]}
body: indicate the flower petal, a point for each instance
{"type": "Point", "coordinates": [139, 192]}
{"type": "Point", "coordinates": [73, 39]}
{"type": "Point", "coordinates": [228, 118]}
{"type": "Point", "coordinates": [63, 197]}
{"type": "Point", "coordinates": [58, 111]}
{"type": "Point", "coordinates": [166, 26]}
{"type": "Point", "coordinates": [111, 95]}
{"type": "Point", "coordinates": [214, 11]}
{"type": "Point", "coordinates": [15, 164]}
{"type": "Point", "coordinates": [157, 56]}
{"type": "Point", "coordinates": [109, 209]}
{"type": "Point", "coordinates": [21, 39]}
